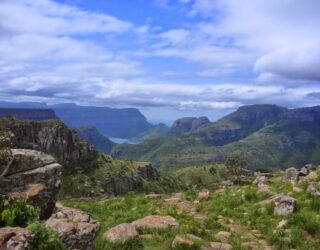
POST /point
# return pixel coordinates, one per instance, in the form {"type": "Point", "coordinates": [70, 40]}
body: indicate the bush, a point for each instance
{"type": "Point", "coordinates": [45, 238]}
{"type": "Point", "coordinates": [15, 212]}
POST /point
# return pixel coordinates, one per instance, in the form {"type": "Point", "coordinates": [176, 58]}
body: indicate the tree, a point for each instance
{"type": "Point", "coordinates": [6, 156]}
{"type": "Point", "coordinates": [237, 165]}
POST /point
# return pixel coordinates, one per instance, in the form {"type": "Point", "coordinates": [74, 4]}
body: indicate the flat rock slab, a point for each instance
{"type": "Point", "coordinates": [156, 222]}
{"type": "Point", "coordinates": [121, 233]}
{"type": "Point", "coordinates": [15, 238]}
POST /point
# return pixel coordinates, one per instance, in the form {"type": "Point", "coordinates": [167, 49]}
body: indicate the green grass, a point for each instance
{"type": "Point", "coordinates": [240, 205]}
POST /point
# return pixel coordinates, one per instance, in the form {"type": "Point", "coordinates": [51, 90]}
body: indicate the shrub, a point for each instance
{"type": "Point", "coordinates": [15, 212]}
{"type": "Point", "coordinates": [45, 238]}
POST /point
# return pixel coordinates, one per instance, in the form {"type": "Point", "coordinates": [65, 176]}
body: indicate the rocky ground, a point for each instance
{"type": "Point", "coordinates": [275, 212]}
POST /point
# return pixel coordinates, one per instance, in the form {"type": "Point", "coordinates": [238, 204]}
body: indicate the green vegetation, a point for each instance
{"type": "Point", "coordinates": [16, 212]}
{"type": "Point", "coordinates": [45, 238]}
{"type": "Point", "coordinates": [19, 213]}
{"type": "Point", "coordinates": [237, 210]}
{"type": "Point", "coordinates": [92, 181]}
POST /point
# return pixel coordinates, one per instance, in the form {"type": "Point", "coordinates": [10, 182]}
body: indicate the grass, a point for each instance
{"type": "Point", "coordinates": [241, 206]}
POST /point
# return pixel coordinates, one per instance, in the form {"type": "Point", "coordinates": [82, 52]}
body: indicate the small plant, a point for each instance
{"type": "Point", "coordinates": [15, 212]}
{"type": "Point", "coordinates": [45, 238]}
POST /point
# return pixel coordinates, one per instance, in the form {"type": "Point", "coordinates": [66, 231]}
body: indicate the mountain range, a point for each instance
{"type": "Point", "coordinates": [268, 135]}
{"type": "Point", "coordinates": [120, 123]}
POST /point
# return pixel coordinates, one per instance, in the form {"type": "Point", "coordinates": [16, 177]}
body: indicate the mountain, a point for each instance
{"type": "Point", "coordinates": [119, 123]}
{"type": "Point", "coordinates": [28, 114]}
{"type": "Point", "coordinates": [268, 135]}
{"type": "Point", "coordinates": [94, 137]}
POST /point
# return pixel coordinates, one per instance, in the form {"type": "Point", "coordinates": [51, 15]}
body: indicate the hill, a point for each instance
{"type": "Point", "coordinates": [268, 135]}
{"type": "Point", "coordinates": [94, 137]}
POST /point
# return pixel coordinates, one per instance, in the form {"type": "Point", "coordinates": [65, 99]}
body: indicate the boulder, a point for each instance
{"type": "Point", "coordinates": [156, 222]}
{"type": "Point", "coordinates": [34, 176]}
{"type": "Point", "coordinates": [284, 205]}
{"type": "Point", "coordinates": [291, 175]}
{"type": "Point", "coordinates": [217, 246]}
{"type": "Point", "coordinates": [15, 238]}
{"type": "Point", "coordinates": [76, 228]}
{"type": "Point", "coordinates": [312, 176]}
{"type": "Point", "coordinates": [185, 240]}
{"type": "Point", "coordinates": [223, 236]}
{"type": "Point", "coordinates": [121, 233]}
{"type": "Point", "coordinates": [304, 171]}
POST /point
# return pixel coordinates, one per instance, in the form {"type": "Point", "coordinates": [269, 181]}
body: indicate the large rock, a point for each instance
{"type": "Point", "coordinates": [15, 238]}
{"type": "Point", "coordinates": [33, 176]}
{"type": "Point", "coordinates": [156, 222]}
{"type": "Point", "coordinates": [284, 205]}
{"type": "Point", "coordinates": [121, 233]}
{"type": "Point", "coordinates": [76, 228]}
{"type": "Point", "coordinates": [291, 175]}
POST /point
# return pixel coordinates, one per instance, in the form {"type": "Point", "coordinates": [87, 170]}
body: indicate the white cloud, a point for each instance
{"type": "Point", "coordinates": [283, 35]}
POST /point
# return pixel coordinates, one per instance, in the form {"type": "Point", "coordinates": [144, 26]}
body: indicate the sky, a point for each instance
{"type": "Point", "coordinates": [169, 58]}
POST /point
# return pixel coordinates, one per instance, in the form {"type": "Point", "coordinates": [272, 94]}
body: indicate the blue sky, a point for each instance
{"type": "Point", "coordinates": [169, 58]}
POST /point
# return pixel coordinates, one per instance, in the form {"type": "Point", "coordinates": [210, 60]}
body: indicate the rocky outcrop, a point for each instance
{"type": "Point", "coordinates": [285, 205]}
{"type": "Point", "coordinates": [15, 238]}
{"type": "Point", "coordinates": [188, 124]}
{"type": "Point", "coordinates": [125, 184]}
{"type": "Point", "coordinates": [34, 176]}
{"type": "Point", "coordinates": [28, 114]}
{"type": "Point", "coordinates": [76, 228]}
{"type": "Point", "coordinates": [306, 173]}
{"type": "Point", "coordinates": [51, 137]}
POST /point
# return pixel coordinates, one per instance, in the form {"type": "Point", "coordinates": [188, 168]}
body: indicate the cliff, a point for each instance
{"type": "Point", "coordinates": [121, 123]}
{"type": "Point", "coordinates": [52, 137]}
{"type": "Point", "coordinates": [28, 114]}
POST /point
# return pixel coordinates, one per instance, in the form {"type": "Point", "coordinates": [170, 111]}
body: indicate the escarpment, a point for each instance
{"type": "Point", "coordinates": [52, 137]}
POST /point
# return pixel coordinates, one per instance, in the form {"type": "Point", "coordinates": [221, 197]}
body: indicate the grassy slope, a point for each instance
{"type": "Point", "coordinates": [282, 144]}
{"type": "Point", "coordinates": [239, 205]}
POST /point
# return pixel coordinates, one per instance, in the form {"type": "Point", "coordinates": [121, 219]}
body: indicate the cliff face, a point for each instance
{"type": "Point", "coordinates": [121, 123]}
{"type": "Point", "coordinates": [51, 137]}
{"type": "Point", "coordinates": [28, 114]}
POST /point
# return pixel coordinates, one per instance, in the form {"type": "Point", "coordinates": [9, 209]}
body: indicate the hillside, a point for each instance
{"type": "Point", "coordinates": [94, 137]}
{"type": "Point", "coordinates": [268, 135]}
{"type": "Point", "coordinates": [272, 213]}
